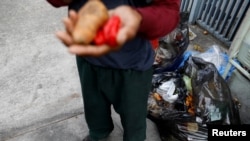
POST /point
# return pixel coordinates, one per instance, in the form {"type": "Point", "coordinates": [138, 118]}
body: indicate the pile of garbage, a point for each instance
{"type": "Point", "coordinates": [184, 102]}
{"type": "Point", "coordinates": [188, 91]}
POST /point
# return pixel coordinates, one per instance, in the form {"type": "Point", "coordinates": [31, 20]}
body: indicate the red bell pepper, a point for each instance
{"type": "Point", "coordinates": [107, 34]}
{"type": "Point", "coordinates": [111, 29]}
{"type": "Point", "coordinates": [99, 38]}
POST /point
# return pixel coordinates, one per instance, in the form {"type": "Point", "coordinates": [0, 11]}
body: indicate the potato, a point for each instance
{"type": "Point", "coordinates": [92, 16]}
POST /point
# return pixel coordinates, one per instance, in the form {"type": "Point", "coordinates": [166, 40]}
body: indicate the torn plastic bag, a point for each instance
{"type": "Point", "coordinates": [168, 107]}
{"type": "Point", "coordinates": [213, 99]}
{"type": "Point", "coordinates": [167, 97]}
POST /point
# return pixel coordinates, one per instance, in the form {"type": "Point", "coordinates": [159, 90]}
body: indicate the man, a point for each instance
{"type": "Point", "coordinates": [119, 76]}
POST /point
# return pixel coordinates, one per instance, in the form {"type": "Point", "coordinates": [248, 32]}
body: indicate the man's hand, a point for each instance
{"type": "Point", "coordinates": [130, 22]}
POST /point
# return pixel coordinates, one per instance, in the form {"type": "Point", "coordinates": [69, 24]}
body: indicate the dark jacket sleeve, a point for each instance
{"type": "Point", "coordinates": [57, 3]}
{"type": "Point", "coordinates": [159, 19]}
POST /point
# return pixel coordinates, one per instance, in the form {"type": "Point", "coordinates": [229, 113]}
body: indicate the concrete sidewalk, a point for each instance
{"type": "Point", "coordinates": [39, 88]}
{"type": "Point", "coordinates": [75, 129]}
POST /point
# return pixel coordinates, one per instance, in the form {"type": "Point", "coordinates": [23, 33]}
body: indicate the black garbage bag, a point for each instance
{"type": "Point", "coordinates": [212, 95]}
{"type": "Point", "coordinates": [167, 104]}
{"type": "Point", "coordinates": [167, 97]}
{"type": "Point", "coordinates": [169, 53]}
{"type": "Point", "coordinates": [185, 129]}
{"type": "Point", "coordinates": [205, 99]}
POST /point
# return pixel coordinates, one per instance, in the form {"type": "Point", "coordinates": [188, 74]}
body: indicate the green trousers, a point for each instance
{"type": "Point", "coordinates": [126, 90]}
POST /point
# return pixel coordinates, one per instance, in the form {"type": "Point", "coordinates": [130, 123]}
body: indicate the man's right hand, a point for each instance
{"type": "Point", "coordinates": [130, 23]}
{"type": "Point", "coordinates": [80, 49]}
